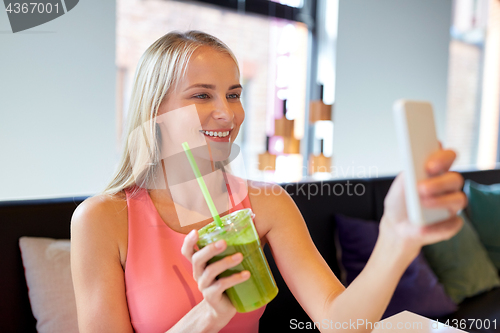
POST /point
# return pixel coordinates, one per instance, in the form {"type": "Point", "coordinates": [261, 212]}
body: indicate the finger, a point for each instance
{"type": "Point", "coordinates": [396, 189]}
{"type": "Point", "coordinates": [453, 202]}
{"type": "Point", "coordinates": [216, 268]}
{"type": "Point", "coordinates": [201, 257]}
{"type": "Point", "coordinates": [439, 162]}
{"type": "Point", "coordinates": [448, 182]}
{"type": "Point", "coordinates": [442, 230]}
{"type": "Point", "coordinates": [187, 248]}
{"type": "Point", "coordinates": [214, 291]}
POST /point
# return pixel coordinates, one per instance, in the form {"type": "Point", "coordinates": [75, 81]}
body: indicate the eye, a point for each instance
{"type": "Point", "coordinates": [233, 96]}
{"type": "Point", "coordinates": [201, 96]}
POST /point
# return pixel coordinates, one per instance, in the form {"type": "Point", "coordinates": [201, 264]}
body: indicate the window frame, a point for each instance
{"type": "Point", "coordinates": [306, 14]}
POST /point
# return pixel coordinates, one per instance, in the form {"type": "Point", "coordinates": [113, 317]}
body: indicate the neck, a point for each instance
{"type": "Point", "coordinates": [179, 187]}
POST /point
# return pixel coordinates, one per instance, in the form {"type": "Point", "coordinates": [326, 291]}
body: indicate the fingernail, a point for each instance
{"type": "Point", "coordinates": [219, 244]}
{"type": "Point", "coordinates": [421, 188]}
{"type": "Point", "coordinates": [434, 166]}
{"type": "Point", "coordinates": [191, 233]}
{"type": "Point", "coordinates": [245, 274]}
{"type": "Point", "coordinates": [236, 257]}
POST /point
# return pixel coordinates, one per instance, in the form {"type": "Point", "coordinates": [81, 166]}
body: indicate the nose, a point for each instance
{"type": "Point", "coordinates": [222, 111]}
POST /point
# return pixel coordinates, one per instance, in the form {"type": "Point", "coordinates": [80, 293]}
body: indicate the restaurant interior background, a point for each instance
{"type": "Point", "coordinates": [319, 78]}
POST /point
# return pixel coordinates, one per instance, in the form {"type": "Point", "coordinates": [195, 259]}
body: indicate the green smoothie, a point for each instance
{"type": "Point", "coordinates": [241, 236]}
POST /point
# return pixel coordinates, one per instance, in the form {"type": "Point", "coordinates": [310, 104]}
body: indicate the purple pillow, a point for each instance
{"type": "Point", "coordinates": [418, 290]}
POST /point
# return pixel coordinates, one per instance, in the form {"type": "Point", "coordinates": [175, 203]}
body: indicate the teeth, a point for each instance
{"type": "Point", "coordinates": [216, 134]}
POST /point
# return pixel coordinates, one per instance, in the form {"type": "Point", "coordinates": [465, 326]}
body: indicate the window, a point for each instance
{"type": "Point", "coordinates": [272, 53]}
{"type": "Point", "coordinates": [474, 83]}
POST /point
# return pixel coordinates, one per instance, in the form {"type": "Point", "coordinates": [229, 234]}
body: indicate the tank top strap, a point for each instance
{"type": "Point", "coordinates": [238, 192]}
{"type": "Point", "coordinates": [139, 204]}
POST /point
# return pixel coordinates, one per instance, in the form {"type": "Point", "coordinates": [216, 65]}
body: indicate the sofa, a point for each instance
{"type": "Point", "coordinates": [360, 198]}
{"type": "Point", "coordinates": [319, 213]}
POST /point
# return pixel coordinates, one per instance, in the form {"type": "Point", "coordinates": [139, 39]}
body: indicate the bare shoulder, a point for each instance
{"type": "Point", "coordinates": [273, 207]}
{"type": "Point", "coordinates": [267, 194]}
{"type": "Point", "coordinates": [101, 209]}
{"type": "Point", "coordinates": [100, 224]}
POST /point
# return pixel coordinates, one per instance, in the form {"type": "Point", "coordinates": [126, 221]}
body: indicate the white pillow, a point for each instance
{"type": "Point", "coordinates": [48, 275]}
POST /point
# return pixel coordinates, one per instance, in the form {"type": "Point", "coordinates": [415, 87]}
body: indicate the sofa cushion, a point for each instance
{"type": "Point", "coordinates": [418, 290]}
{"type": "Point", "coordinates": [484, 213]}
{"type": "Point", "coordinates": [462, 264]}
{"type": "Point", "coordinates": [48, 275]}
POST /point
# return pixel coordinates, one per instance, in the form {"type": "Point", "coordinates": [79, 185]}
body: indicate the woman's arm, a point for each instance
{"type": "Point", "coordinates": [98, 249]}
{"type": "Point", "coordinates": [98, 277]}
{"type": "Point", "coordinates": [310, 279]}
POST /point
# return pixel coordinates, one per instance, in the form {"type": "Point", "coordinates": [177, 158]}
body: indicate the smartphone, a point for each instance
{"type": "Point", "coordinates": [416, 132]}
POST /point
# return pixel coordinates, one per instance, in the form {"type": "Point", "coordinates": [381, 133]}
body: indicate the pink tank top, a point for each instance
{"type": "Point", "coordinates": [158, 279]}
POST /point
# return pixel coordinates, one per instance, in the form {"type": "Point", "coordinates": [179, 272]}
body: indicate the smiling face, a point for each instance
{"type": "Point", "coordinates": [212, 84]}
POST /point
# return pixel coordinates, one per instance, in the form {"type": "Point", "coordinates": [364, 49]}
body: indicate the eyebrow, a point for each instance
{"type": "Point", "coordinates": [211, 86]}
{"type": "Point", "coordinates": [235, 86]}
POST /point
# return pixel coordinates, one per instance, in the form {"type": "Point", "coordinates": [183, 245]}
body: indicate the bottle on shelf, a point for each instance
{"type": "Point", "coordinates": [319, 163]}
{"type": "Point", "coordinates": [318, 110]}
{"type": "Point", "coordinates": [267, 161]}
{"type": "Point", "coordinates": [284, 127]}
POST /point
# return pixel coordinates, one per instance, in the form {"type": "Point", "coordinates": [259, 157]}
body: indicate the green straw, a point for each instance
{"type": "Point", "coordinates": [202, 184]}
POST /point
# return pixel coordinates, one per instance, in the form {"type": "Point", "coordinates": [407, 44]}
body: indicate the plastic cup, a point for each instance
{"type": "Point", "coordinates": [240, 235]}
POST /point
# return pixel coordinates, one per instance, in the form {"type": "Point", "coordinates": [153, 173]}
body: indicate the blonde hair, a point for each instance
{"type": "Point", "coordinates": [159, 70]}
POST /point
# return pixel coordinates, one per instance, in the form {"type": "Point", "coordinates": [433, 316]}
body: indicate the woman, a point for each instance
{"type": "Point", "coordinates": [133, 266]}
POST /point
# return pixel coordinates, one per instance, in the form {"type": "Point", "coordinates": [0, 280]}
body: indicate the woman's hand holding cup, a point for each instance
{"type": "Point", "coordinates": [205, 275]}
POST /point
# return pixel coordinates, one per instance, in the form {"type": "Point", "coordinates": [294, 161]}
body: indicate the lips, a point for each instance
{"type": "Point", "coordinates": [219, 135]}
